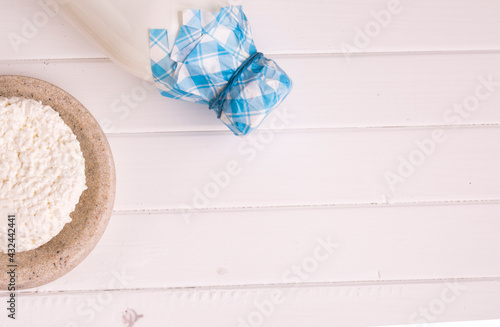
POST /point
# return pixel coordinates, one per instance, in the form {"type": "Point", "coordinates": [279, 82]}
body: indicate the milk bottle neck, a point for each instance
{"type": "Point", "coordinates": [121, 27]}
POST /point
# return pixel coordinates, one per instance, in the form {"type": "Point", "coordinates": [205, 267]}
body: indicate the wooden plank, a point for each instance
{"type": "Point", "coordinates": [256, 247]}
{"type": "Point", "coordinates": [371, 91]}
{"type": "Point", "coordinates": [338, 305]}
{"type": "Point", "coordinates": [294, 168]}
{"type": "Point", "coordinates": [299, 27]}
{"type": "Point", "coordinates": [51, 37]}
{"type": "Point", "coordinates": [153, 244]}
{"type": "Point", "coordinates": [327, 26]}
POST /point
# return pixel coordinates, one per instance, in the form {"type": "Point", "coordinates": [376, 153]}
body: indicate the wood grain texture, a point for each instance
{"type": "Point", "coordinates": [370, 91]}
{"type": "Point", "coordinates": [261, 247]}
{"type": "Point", "coordinates": [182, 260]}
{"type": "Point", "coordinates": [299, 27]}
{"type": "Point", "coordinates": [52, 37]}
{"type": "Point", "coordinates": [217, 170]}
{"type": "Point", "coordinates": [321, 305]}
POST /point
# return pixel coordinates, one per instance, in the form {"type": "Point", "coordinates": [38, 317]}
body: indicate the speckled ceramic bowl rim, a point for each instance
{"type": "Point", "coordinates": [91, 216]}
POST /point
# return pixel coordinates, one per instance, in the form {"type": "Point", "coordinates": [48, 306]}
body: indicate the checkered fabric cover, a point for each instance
{"type": "Point", "coordinates": [208, 49]}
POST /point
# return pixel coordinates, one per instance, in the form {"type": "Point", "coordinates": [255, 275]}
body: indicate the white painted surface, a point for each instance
{"type": "Point", "coordinates": [315, 26]}
{"type": "Point", "coordinates": [351, 117]}
{"type": "Point", "coordinates": [371, 91]}
{"type": "Point", "coordinates": [242, 247]}
{"type": "Point", "coordinates": [319, 305]}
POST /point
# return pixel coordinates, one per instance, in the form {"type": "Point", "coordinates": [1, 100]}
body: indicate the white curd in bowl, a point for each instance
{"type": "Point", "coordinates": [42, 172]}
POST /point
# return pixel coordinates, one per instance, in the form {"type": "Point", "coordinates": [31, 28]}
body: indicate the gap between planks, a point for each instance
{"type": "Point", "coordinates": [312, 206]}
{"type": "Point", "coordinates": [368, 283]}
{"type": "Point", "coordinates": [286, 55]}
{"type": "Point", "coordinates": [307, 129]}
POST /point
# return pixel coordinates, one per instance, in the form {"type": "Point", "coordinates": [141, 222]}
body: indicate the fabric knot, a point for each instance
{"type": "Point", "coordinates": [218, 102]}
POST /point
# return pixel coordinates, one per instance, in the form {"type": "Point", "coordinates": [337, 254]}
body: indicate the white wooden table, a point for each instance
{"type": "Point", "coordinates": [307, 230]}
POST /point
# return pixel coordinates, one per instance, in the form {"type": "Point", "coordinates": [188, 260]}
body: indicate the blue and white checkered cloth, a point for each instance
{"type": "Point", "coordinates": [208, 50]}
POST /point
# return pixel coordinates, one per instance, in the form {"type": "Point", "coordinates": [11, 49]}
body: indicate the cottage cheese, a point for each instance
{"type": "Point", "coordinates": [42, 172]}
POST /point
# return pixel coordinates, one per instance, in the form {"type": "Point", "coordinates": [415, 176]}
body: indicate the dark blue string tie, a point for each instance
{"type": "Point", "coordinates": [218, 102]}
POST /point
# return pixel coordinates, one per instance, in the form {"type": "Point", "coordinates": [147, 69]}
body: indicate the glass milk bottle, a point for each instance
{"type": "Point", "coordinates": [121, 27]}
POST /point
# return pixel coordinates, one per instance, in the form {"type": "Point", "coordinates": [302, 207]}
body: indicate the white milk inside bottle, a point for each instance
{"type": "Point", "coordinates": [121, 27]}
